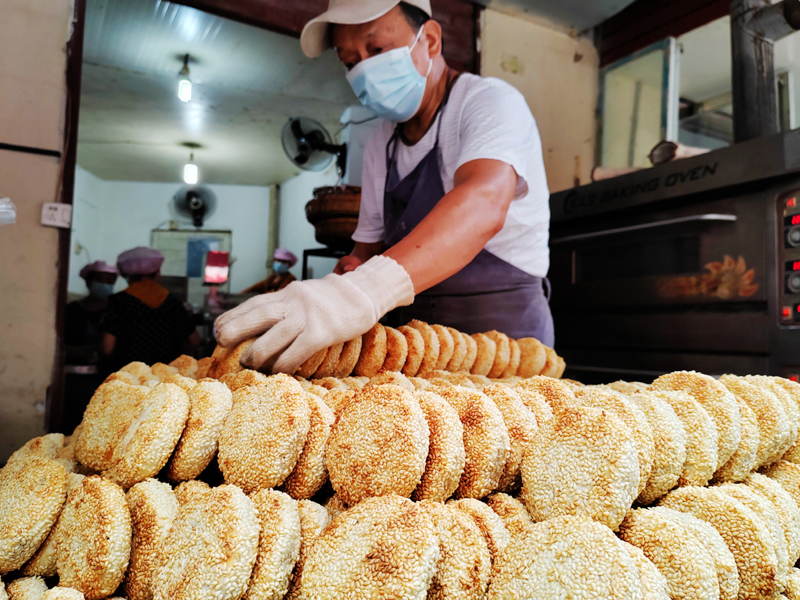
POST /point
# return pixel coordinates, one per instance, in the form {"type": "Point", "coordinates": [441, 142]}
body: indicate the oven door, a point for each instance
{"type": "Point", "coordinates": [712, 254]}
{"type": "Point", "coordinates": [687, 279]}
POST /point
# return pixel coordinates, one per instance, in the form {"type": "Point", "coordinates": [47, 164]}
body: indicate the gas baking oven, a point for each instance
{"type": "Point", "coordinates": [690, 265]}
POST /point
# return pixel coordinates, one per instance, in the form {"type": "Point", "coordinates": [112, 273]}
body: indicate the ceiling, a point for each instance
{"type": "Point", "coordinates": [578, 15]}
{"type": "Point", "coordinates": [247, 82]}
{"type": "Point", "coordinates": [706, 61]}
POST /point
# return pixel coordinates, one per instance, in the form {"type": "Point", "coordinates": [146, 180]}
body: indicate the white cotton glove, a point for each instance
{"type": "Point", "coordinates": [307, 316]}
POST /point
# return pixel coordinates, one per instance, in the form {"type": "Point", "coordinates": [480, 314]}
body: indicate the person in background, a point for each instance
{"type": "Point", "coordinates": [280, 278]}
{"type": "Point", "coordinates": [145, 322]}
{"type": "Point", "coordinates": [83, 333]}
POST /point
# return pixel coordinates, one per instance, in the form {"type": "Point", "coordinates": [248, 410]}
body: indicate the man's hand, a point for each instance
{"type": "Point", "coordinates": [360, 254]}
{"type": "Point", "coordinates": [307, 316]}
{"type": "Point", "coordinates": [347, 264]}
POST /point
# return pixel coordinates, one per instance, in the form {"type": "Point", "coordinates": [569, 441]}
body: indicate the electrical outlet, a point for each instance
{"type": "Point", "coordinates": [78, 248]}
{"type": "Point", "coordinates": [56, 214]}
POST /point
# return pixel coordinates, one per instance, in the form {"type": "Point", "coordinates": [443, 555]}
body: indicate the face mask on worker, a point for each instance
{"type": "Point", "coordinates": [101, 290]}
{"type": "Point", "coordinates": [281, 268]}
{"type": "Point", "coordinates": [389, 83]}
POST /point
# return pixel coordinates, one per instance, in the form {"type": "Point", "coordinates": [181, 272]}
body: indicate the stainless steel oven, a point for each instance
{"type": "Point", "coordinates": [690, 265]}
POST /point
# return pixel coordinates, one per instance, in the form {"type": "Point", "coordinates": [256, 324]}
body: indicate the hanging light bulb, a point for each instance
{"type": "Point", "coordinates": [190, 172]}
{"type": "Point", "coordinates": [185, 85]}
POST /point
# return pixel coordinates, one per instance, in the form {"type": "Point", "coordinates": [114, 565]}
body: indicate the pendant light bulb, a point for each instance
{"type": "Point", "coordinates": [185, 84]}
{"type": "Point", "coordinates": [185, 90]}
{"type": "Point", "coordinates": [190, 172]}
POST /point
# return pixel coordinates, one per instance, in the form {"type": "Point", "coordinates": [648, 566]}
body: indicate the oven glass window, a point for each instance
{"type": "Point", "coordinates": [672, 256]}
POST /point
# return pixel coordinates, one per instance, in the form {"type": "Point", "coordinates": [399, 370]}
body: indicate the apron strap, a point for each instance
{"type": "Point", "coordinates": [391, 146]}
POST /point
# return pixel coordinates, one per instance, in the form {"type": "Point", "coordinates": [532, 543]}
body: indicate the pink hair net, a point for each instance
{"type": "Point", "coordinates": [284, 254]}
{"type": "Point", "coordinates": [98, 266]}
{"type": "Point", "coordinates": [140, 261]}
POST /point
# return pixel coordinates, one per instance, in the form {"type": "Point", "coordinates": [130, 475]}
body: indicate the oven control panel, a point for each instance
{"type": "Point", "coordinates": [789, 253]}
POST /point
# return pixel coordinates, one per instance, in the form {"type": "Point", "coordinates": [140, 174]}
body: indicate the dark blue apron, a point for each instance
{"type": "Point", "coordinates": [488, 293]}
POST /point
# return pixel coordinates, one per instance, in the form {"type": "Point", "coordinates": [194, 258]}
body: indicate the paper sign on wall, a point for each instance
{"type": "Point", "coordinates": [8, 212]}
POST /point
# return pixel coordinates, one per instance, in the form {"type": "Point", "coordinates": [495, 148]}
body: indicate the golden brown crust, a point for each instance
{"type": "Point", "coordinates": [203, 366]}
{"type": "Point", "coordinates": [310, 473]}
{"type": "Point", "coordinates": [189, 491]}
{"type": "Point", "coordinates": [27, 588]}
{"type": "Point", "coordinates": [209, 404]}
{"type": "Point", "coordinates": [487, 349]}
{"type": "Point", "coordinates": [430, 356]}
{"type": "Point", "coordinates": [94, 542]}
{"type": "Point", "coordinates": [396, 350]}
{"type": "Point", "coordinates": [330, 383]}
{"type": "Point", "coordinates": [701, 437]}
{"type": "Point", "coordinates": [716, 399]}
{"type": "Point", "coordinates": [185, 383]}
{"type": "Point", "coordinates": [32, 492]}
{"type": "Point", "coordinates": [446, 345]}
{"type": "Point", "coordinates": [148, 442]}
{"type": "Point", "coordinates": [486, 441]}
{"type": "Point", "coordinates": [550, 368]}
{"type": "Point", "coordinates": [511, 511]}
{"type": "Point", "coordinates": [112, 409]}
{"type": "Point", "coordinates": [502, 356]}
{"type": "Point", "coordinates": [598, 467]}
{"type": "Point", "coordinates": [153, 508]}
{"type": "Point", "coordinates": [446, 456]}
{"type": "Point", "coordinates": [471, 355]}
{"type": "Point", "coordinates": [226, 360]}
{"type": "Point", "coordinates": [464, 564]}
{"type": "Point", "coordinates": [186, 365]}
{"type": "Point", "coordinates": [634, 418]}
{"type": "Point", "coordinates": [313, 519]}
{"type": "Point", "coordinates": [312, 363]}
{"type": "Point", "coordinates": [236, 381]}
{"type": "Point", "coordinates": [278, 545]}
{"type": "Point", "coordinates": [565, 546]}
{"type": "Point", "coordinates": [373, 352]}
{"type": "Point", "coordinates": [264, 434]}
{"type": "Point", "coordinates": [378, 445]}
{"type": "Point", "coordinates": [532, 357]}
{"type": "Point", "coordinates": [489, 523]}
{"type": "Point", "coordinates": [513, 362]}
{"type": "Point", "coordinates": [522, 428]}
{"type": "Point", "coordinates": [211, 548]}
{"type": "Point", "coordinates": [745, 534]}
{"type": "Point", "coordinates": [688, 567]}
{"type": "Point", "coordinates": [162, 371]}
{"type": "Point", "coordinates": [416, 350]}
{"type": "Point", "coordinates": [393, 378]}
{"type": "Point", "coordinates": [348, 358]}
{"type": "Point", "coordinates": [328, 365]}
{"type": "Point", "coordinates": [459, 351]}
{"type": "Point", "coordinates": [384, 543]}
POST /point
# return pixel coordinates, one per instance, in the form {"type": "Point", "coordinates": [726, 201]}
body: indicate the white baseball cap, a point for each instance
{"type": "Point", "coordinates": [315, 38]}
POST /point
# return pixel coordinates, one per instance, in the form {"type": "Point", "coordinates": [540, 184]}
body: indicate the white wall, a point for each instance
{"type": "Point", "coordinates": [558, 74]}
{"type": "Point", "coordinates": [86, 227]}
{"type": "Point", "coordinates": [33, 38]}
{"type": "Point", "coordinates": [295, 232]}
{"type": "Point", "coordinates": [113, 216]}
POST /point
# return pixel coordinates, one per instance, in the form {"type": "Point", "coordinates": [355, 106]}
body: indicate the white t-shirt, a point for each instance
{"type": "Point", "coordinates": [485, 118]}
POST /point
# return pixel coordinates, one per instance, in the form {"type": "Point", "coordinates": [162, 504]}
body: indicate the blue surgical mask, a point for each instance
{"type": "Point", "coordinates": [280, 268]}
{"type": "Point", "coordinates": [389, 83]}
{"type": "Point", "coordinates": [101, 290]}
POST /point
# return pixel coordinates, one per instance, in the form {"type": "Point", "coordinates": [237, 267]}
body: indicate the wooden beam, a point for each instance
{"type": "Point", "coordinates": [54, 410]}
{"type": "Point", "coordinates": [646, 22]}
{"type": "Point", "coordinates": [457, 18]}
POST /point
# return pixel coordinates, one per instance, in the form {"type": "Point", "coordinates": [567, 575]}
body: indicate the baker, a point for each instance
{"type": "Point", "coordinates": [454, 220]}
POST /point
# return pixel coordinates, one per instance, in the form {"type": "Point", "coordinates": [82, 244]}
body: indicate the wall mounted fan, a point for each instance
{"type": "Point", "coordinates": [195, 202]}
{"type": "Point", "coordinates": [309, 145]}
